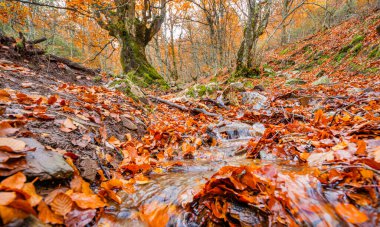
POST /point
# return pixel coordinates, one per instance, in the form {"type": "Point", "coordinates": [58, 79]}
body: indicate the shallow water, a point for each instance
{"type": "Point", "coordinates": [166, 194]}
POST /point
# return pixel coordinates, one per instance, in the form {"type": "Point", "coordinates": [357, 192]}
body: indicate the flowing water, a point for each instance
{"type": "Point", "coordinates": [166, 193]}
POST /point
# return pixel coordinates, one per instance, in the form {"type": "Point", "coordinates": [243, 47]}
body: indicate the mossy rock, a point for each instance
{"type": "Point", "coordinates": [247, 72]}
{"type": "Point", "coordinates": [324, 80]}
{"type": "Point", "coordinates": [295, 81]}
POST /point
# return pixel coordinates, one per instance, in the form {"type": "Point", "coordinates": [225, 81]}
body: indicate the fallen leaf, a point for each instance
{"type": "Point", "coordinates": [6, 129]}
{"type": "Point", "coordinates": [9, 214]}
{"type": "Point", "coordinates": [61, 204]}
{"type": "Point", "coordinates": [362, 146]}
{"type": "Point", "coordinates": [47, 216]}
{"type": "Point", "coordinates": [34, 198]}
{"type": "Point", "coordinates": [15, 181]}
{"type": "Point", "coordinates": [6, 198]}
{"type": "Point", "coordinates": [85, 201]}
{"type": "Point", "coordinates": [350, 213]}
{"type": "Point", "coordinates": [68, 125]}
{"type": "Point", "coordinates": [77, 218]}
{"type": "Point", "coordinates": [13, 144]}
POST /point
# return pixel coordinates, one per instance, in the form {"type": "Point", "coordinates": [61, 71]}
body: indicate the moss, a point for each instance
{"type": "Point", "coordinates": [246, 72]}
{"type": "Point", "coordinates": [322, 59]}
{"type": "Point", "coordinates": [268, 71]}
{"type": "Point", "coordinates": [356, 49]}
{"type": "Point", "coordinates": [97, 79]}
{"type": "Point", "coordinates": [375, 53]}
{"type": "Point", "coordinates": [285, 51]}
{"type": "Point", "coordinates": [249, 84]}
{"type": "Point", "coordinates": [357, 39]}
{"type": "Point", "coordinates": [371, 70]}
{"type": "Point", "coordinates": [306, 66]}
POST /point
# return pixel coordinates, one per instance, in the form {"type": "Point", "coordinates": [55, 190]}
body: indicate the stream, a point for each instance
{"type": "Point", "coordinates": [167, 193]}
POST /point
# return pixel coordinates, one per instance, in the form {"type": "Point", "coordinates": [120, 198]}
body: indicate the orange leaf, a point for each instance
{"type": "Point", "coordinates": [23, 205]}
{"type": "Point", "coordinates": [85, 201]}
{"type": "Point", "coordinates": [5, 97]}
{"type": "Point", "coordinates": [362, 146]}
{"type": "Point", "coordinates": [15, 181]}
{"type": "Point", "coordinates": [47, 216]}
{"type": "Point", "coordinates": [34, 198]}
{"type": "Point", "coordinates": [6, 198]}
{"type": "Point", "coordinates": [350, 213]}
{"type": "Point", "coordinates": [9, 214]}
{"type": "Point", "coordinates": [61, 204]}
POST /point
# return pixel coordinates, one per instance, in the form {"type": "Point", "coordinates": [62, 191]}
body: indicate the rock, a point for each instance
{"type": "Point", "coordinates": [259, 87]}
{"type": "Point", "coordinates": [354, 90]}
{"type": "Point", "coordinates": [294, 81]}
{"type": "Point", "coordinates": [267, 156]}
{"type": "Point", "coordinates": [235, 130]}
{"type": "Point", "coordinates": [45, 165]}
{"type": "Point", "coordinates": [324, 80]}
{"type": "Point", "coordinates": [88, 169]}
{"type": "Point", "coordinates": [128, 123]}
{"type": "Point", "coordinates": [254, 98]}
{"type": "Point", "coordinates": [237, 86]}
{"type": "Point", "coordinates": [320, 74]}
{"type": "Point", "coordinates": [30, 221]}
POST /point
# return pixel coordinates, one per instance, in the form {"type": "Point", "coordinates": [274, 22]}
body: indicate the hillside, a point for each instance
{"type": "Point", "coordinates": [298, 145]}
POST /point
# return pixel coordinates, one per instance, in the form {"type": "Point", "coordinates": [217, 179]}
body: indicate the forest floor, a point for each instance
{"type": "Point", "coordinates": [298, 146]}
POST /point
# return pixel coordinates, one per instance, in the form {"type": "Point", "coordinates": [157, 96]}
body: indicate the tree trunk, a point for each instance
{"type": "Point", "coordinates": [133, 59]}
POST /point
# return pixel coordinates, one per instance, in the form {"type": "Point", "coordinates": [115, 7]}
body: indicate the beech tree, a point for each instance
{"type": "Point", "coordinates": [132, 22]}
{"type": "Point", "coordinates": [257, 20]}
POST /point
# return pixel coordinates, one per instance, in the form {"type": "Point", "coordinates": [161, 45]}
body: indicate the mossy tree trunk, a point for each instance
{"type": "Point", "coordinates": [134, 27]}
{"type": "Point", "coordinates": [133, 59]}
{"type": "Point", "coordinates": [258, 15]}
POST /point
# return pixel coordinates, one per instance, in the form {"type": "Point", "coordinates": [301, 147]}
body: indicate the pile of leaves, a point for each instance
{"type": "Point", "coordinates": [254, 195]}
{"type": "Point", "coordinates": [70, 206]}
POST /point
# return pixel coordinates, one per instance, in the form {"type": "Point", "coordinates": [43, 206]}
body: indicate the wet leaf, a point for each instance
{"type": "Point", "coordinates": [86, 201]}
{"type": "Point", "coordinates": [350, 213]}
{"type": "Point", "coordinates": [79, 218]}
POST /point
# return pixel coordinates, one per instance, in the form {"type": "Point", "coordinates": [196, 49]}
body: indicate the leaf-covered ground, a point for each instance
{"type": "Point", "coordinates": [321, 114]}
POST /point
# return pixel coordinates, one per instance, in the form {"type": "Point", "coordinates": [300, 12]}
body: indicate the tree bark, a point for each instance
{"type": "Point", "coordinates": [133, 59]}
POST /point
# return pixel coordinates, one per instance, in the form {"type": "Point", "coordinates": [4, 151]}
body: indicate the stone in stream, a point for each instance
{"type": "Point", "coordinates": [235, 130]}
{"type": "Point", "coordinates": [254, 98]}
{"type": "Point", "coordinates": [46, 165]}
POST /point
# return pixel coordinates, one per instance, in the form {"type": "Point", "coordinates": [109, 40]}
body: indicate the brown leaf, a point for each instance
{"type": "Point", "coordinates": [79, 218]}
{"type": "Point", "coordinates": [23, 205]}
{"type": "Point", "coordinates": [68, 125]}
{"type": "Point", "coordinates": [9, 144]}
{"type": "Point", "coordinates": [5, 97]}
{"type": "Point", "coordinates": [52, 99]}
{"type": "Point", "coordinates": [62, 204]}
{"type": "Point", "coordinates": [6, 129]}
{"type": "Point", "coordinates": [47, 216]}
{"type": "Point", "coordinates": [6, 198]}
